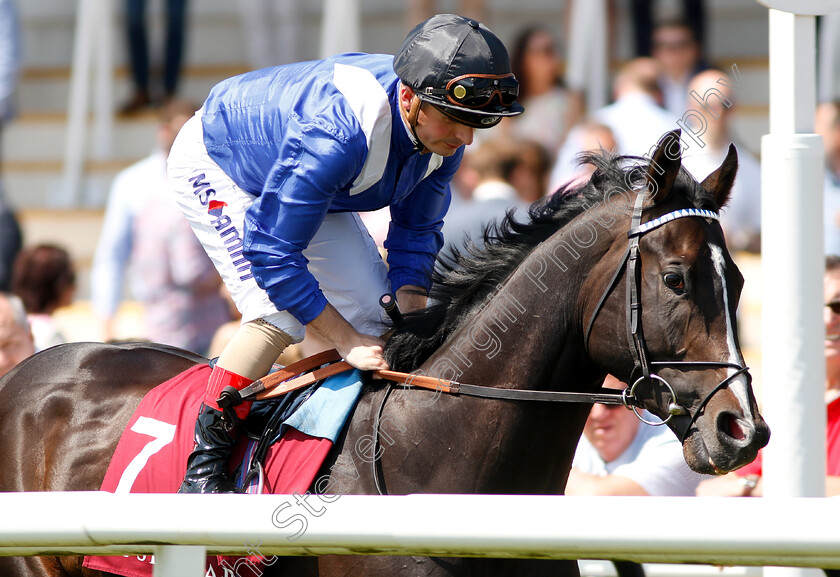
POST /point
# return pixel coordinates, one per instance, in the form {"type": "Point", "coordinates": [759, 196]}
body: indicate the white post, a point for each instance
{"type": "Point", "coordinates": [104, 87]}
{"type": "Point", "coordinates": [586, 52]}
{"type": "Point", "coordinates": [77, 107]}
{"type": "Point", "coordinates": [288, 28]}
{"type": "Point", "coordinates": [180, 561]}
{"type": "Point", "coordinates": [340, 27]}
{"type": "Point", "coordinates": [93, 38]}
{"type": "Point", "coordinates": [793, 364]}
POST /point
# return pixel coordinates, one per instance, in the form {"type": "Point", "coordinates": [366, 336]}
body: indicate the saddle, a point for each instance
{"type": "Point", "coordinates": [287, 438]}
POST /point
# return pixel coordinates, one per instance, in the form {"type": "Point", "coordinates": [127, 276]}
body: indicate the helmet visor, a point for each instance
{"type": "Point", "coordinates": [468, 118]}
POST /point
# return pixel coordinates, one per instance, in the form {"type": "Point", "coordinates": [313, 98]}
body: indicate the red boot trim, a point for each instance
{"type": "Point", "coordinates": [221, 378]}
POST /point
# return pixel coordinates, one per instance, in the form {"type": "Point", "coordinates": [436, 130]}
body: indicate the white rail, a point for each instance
{"type": "Point", "coordinates": [785, 531]}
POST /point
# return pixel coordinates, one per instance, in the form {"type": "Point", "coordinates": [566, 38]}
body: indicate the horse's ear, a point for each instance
{"type": "Point", "coordinates": [719, 183]}
{"type": "Point", "coordinates": [664, 166]}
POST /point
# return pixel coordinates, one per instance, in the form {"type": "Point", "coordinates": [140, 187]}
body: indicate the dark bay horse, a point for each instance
{"type": "Point", "coordinates": [553, 304]}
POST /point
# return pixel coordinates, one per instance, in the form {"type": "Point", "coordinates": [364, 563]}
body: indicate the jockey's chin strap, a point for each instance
{"type": "Point", "coordinates": [413, 113]}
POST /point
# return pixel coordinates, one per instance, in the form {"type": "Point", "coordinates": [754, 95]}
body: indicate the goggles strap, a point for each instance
{"type": "Point", "coordinates": [413, 113]}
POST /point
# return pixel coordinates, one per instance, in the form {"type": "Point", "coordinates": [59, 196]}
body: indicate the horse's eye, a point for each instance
{"type": "Point", "coordinates": [674, 281]}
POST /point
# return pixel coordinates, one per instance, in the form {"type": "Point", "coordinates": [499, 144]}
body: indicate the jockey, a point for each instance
{"type": "Point", "coordinates": [273, 169]}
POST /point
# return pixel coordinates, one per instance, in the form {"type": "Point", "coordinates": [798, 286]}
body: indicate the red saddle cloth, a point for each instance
{"type": "Point", "coordinates": [152, 452]}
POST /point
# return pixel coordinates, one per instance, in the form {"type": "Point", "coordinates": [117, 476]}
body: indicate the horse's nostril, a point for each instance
{"type": "Point", "coordinates": [734, 429]}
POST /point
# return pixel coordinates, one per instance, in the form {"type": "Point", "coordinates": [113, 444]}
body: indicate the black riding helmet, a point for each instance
{"type": "Point", "coordinates": [461, 67]}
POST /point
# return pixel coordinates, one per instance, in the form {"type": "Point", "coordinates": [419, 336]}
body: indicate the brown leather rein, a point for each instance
{"type": "Point", "coordinates": [328, 363]}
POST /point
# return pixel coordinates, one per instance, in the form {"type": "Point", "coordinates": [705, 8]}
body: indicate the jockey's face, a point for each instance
{"type": "Point", "coordinates": [439, 133]}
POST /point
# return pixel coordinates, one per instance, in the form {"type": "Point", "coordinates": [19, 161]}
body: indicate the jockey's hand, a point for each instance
{"type": "Point", "coordinates": [364, 352]}
{"type": "Point", "coordinates": [366, 355]}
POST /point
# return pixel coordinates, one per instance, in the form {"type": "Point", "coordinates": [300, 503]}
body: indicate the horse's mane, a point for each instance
{"type": "Point", "coordinates": [463, 279]}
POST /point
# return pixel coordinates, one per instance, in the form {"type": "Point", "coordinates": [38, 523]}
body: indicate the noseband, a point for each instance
{"type": "Point", "coordinates": [631, 263]}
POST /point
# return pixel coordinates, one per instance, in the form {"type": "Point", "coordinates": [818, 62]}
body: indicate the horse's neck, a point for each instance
{"type": "Point", "coordinates": [527, 334]}
{"type": "Point", "coordinates": [529, 328]}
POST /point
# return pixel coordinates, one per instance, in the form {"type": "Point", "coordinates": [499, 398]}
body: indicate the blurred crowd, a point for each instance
{"type": "Point", "coordinates": [147, 255]}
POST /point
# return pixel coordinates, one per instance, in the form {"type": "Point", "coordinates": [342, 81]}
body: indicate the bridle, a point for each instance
{"type": "Point", "coordinates": [631, 264]}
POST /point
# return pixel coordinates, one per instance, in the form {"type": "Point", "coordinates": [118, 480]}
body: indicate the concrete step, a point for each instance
{"type": "Point", "coordinates": [47, 90]}
{"type": "Point", "coordinates": [41, 137]}
{"type": "Point", "coordinates": [217, 35]}
{"type": "Point", "coordinates": [39, 184]}
{"type": "Point", "coordinates": [33, 145]}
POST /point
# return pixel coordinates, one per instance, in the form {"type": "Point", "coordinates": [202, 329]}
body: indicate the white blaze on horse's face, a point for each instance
{"type": "Point", "coordinates": [739, 386]}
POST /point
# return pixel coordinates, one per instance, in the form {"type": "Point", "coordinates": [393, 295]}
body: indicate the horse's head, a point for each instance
{"type": "Point", "coordinates": [681, 293]}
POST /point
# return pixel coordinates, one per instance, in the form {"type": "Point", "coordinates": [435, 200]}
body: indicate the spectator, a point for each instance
{"type": "Point", "coordinates": [10, 58]}
{"type": "Point", "coordinates": [828, 50]}
{"type": "Point", "coordinates": [694, 14]}
{"type": "Point", "coordinates": [531, 169]}
{"type": "Point", "coordinates": [11, 241]}
{"type": "Point", "coordinates": [619, 455]}
{"type": "Point", "coordinates": [550, 113]}
{"type": "Point", "coordinates": [144, 231]}
{"type": "Point", "coordinates": [636, 119]}
{"type": "Point", "coordinates": [746, 482]}
{"type": "Point", "coordinates": [16, 341]}
{"type": "Point", "coordinates": [138, 51]}
{"type": "Point", "coordinates": [45, 280]}
{"type": "Point", "coordinates": [678, 52]}
{"type": "Point", "coordinates": [10, 234]}
{"type": "Point", "coordinates": [494, 161]}
{"type": "Point", "coordinates": [587, 136]}
{"type": "Point", "coordinates": [828, 126]}
{"type": "Point", "coordinates": [706, 149]}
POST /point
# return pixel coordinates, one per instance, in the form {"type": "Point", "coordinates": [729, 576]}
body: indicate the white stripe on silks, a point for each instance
{"type": "Point", "coordinates": [434, 163]}
{"type": "Point", "coordinates": [369, 102]}
{"type": "Point", "coordinates": [738, 385]}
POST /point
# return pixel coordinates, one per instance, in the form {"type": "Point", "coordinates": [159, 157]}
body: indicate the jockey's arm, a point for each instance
{"type": "Point", "coordinates": [360, 350]}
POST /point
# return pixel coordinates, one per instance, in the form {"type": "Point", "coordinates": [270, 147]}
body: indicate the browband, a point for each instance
{"type": "Point", "coordinates": [666, 218]}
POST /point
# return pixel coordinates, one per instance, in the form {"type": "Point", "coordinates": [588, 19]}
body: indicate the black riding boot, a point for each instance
{"type": "Point", "coordinates": [207, 465]}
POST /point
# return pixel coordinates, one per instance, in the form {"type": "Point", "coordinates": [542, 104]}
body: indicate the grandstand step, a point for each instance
{"type": "Point", "coordinates": [33, 145]}
{"type": "Point", "coordinates": [32, 189]}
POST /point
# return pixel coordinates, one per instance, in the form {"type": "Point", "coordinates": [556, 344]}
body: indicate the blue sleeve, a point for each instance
{"type": "Point", "coordinates": [414, 237]}
{"type": "Point", "coordinates": [315, 161]}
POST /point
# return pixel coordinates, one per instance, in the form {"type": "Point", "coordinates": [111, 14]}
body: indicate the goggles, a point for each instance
{"type": "Point", "coordinates": [478, 90]}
